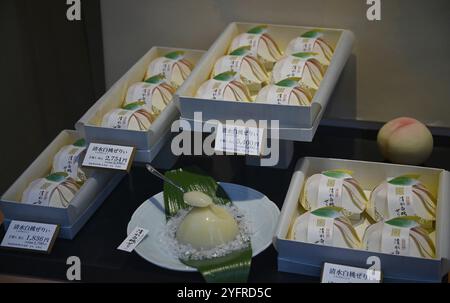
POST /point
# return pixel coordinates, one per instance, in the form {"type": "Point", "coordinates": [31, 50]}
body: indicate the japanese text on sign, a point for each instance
{"type": "Point", "coordinates": [133, 239]}
{"type": "Point", "coordinates": [237, 139]}
{"type": "Point", "coordinates": [109, 156]}
{"type": "Point", "coordinates": [29, 235]}
{"type": "Point", "coordinates": [336, 273]}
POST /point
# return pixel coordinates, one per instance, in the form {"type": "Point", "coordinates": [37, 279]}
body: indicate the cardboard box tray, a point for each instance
{"type": "Point", "coordinates": [148, 143]}
{"type": "Point", "coordinates": [297, 123]}
{"type": "Point", "coordinates": [308, 259]}
{"type": "Point", "coordinates": [90, 196]}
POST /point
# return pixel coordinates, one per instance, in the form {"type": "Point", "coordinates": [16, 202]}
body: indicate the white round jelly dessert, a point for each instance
{"type": "Point", "coordinates": [346, 192]}
{"type": "Point", "coordinates": [197, 199]}
{"type": "Point", "coordinates": [325, 226]}
{"type": "Point", "coordinates": [249, 69]}
{"type": "Point", "coordinates": [312, 41]}
{"type": "Point", "coordinates": [288, 91]}
{"type": "Point", "coordinates": [385, 201]}
{"type": "Point", "coordinates": [154, 92]}
{"type": "Point", "coordinates": [399, 236]}
{"type": "Point", "coordinates": [68, 159]}
{"type": "Point", "coordinates": [262, 45]}
{"type": "Point", "coordinates": [207, 227]}
{"type": "Point", "coordinates": [133, 117]}
{"type": "Point", "coordinates": [225, 86]}
{"type": "Point", "coordinates": [55, 190]}
{"type": "Point", "coordinates": [303, 66]}
{"type": "Point", "coordinates": [173, 66]}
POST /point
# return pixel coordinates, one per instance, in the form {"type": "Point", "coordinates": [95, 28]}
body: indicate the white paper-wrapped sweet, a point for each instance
{"type": "Point", "coordinates": [312, 41]}
{"type": "Point", "coordinates": [334, 188]}
{"type": "Point", "coordinates": [325, 226]}
{"type": "Point", "coordinates": [68, 159]}
{"type": "Point", "coordinates": [299, 65]}
{"type": "Point", "coordinates": [132, 116]}
{"type": "Point", "coordinates": [174, 66]}
{"type": "Point", "coordinates": [402, 196]}
{"type": "Point", "coordinates": [399, 236]}
{"type": "Point", "coordinates": [287, 91]}
{"type": "Point", "coordinates": [155, 92]}
{"type": "Point", "coordinates": [248, 68]}
{"type": "Point", "coordinates": [262, 45]}
{"type": "Point", "coordinates": [55, 190]}
{"type": "Point", "coordinates": [206, 225]}
{"type": "Point", "coordinates": [225, 86]}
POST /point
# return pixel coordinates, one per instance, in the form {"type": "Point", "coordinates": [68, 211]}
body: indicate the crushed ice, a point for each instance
{"type": "Point", "coordinates": [182, 251]}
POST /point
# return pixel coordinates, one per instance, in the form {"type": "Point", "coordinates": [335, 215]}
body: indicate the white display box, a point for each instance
{"type": "Point", "coordinates": [308, 259]}
{"type": "Point", "coordinates": [91, 195]}
{"type": "Point", "coordinates": [148, 143]}
{"type": "Point", "coordinates": [297, 123]}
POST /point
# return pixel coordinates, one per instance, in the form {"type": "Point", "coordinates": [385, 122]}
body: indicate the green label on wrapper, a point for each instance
{"type": "Point", "coordinates": [289, 82]}
{"type": "Point", "coordinates": [312, 34]}
{"type": "Point", "coordinates": [338, 174]}
{"type": "Point", "coordinates": [57, 177]}
{"type": "Point", "coordinates": [305, 55]}
{"type": "Point", "coordinates": [241, 51]}
{"type": "Point", "coordinates": [226, 76]}
{"type": "Point", "coordinates": [328, 212]}
{"type": "Point", "coordinates": [405, 222]}
{"type": "Point", "coordinates": [156, 79]}
{"type": "Point", "coordinates": [405, 180]}
{"type": "Point", "coordinates": [80, 143]}
{"type": "Point", "coordinates": [175, 55]}
{"type": "Point", "coordinates": [260, 29]}
{"type": "Point", "coordinates": [134, 105]}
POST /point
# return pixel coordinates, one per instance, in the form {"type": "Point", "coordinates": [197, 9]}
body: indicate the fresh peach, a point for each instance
{"type": "Point", "coordinates": [405, 141]}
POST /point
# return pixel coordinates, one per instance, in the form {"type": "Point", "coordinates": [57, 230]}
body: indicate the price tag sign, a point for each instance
{"type": "Point", "coordinates": [134, 238]}
{"type": "Point", "coordinates": [337, 273]}
{"type": "Point", "coordinates": [30, 236]}
{"type": "Point", "coordinates": [109, 156]}
{"type": "Point", "coordinates": [238, 139]}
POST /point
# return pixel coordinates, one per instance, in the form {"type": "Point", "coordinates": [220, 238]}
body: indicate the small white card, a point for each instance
{"type": "Point", "coordinates": [109, 156]}
{"type": "Point", "coordinates": [337, 273]}
{"type": "Point", "coordinates": [134, 238]}
{"type": "Point", "coordinates": [239, 139]}
{"type": "Point", "coordinates": [30, 236]}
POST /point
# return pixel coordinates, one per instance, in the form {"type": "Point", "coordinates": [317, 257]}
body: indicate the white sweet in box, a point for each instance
{"type": "Point", "coordinates": [253, 53]}
{"type": "Point", "coordinates": [145, 100]}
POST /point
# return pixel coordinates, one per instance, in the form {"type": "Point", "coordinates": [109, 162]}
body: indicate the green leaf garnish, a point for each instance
{"type": "Point", "coordinates": [241, 51]}
{"type": "Point", "coordinates": [304, 55]}
{"type": "Point", "coordinates": [405, 180]}
{"type": "Point", "coordinates": [57, 177]}
{"type": "Point", "coordinates": [226, 76]}
{"type": "Point", "coordinates": [233, 267]}
{"type": "Point", "coordinates": [156, 79]}
{"type": "Point", "coordinates": [312, 34]}
{"type": "Point", "coordinates": [134, 105]}
{"type": "Point", "coordinates": [338, 173]}
{"type": "Point", "coordinates": [175, 55]}
{"type": "Point", "coordinates": [260, 29]}
{"type": "Point", "coordinates": [289, 82]}
{"type": "Point", "coordinates": [405, 222]}
{"type": "Point", "coordinates": [328, 212]}
{"type": "Point", "coordinates": [80, 143]}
